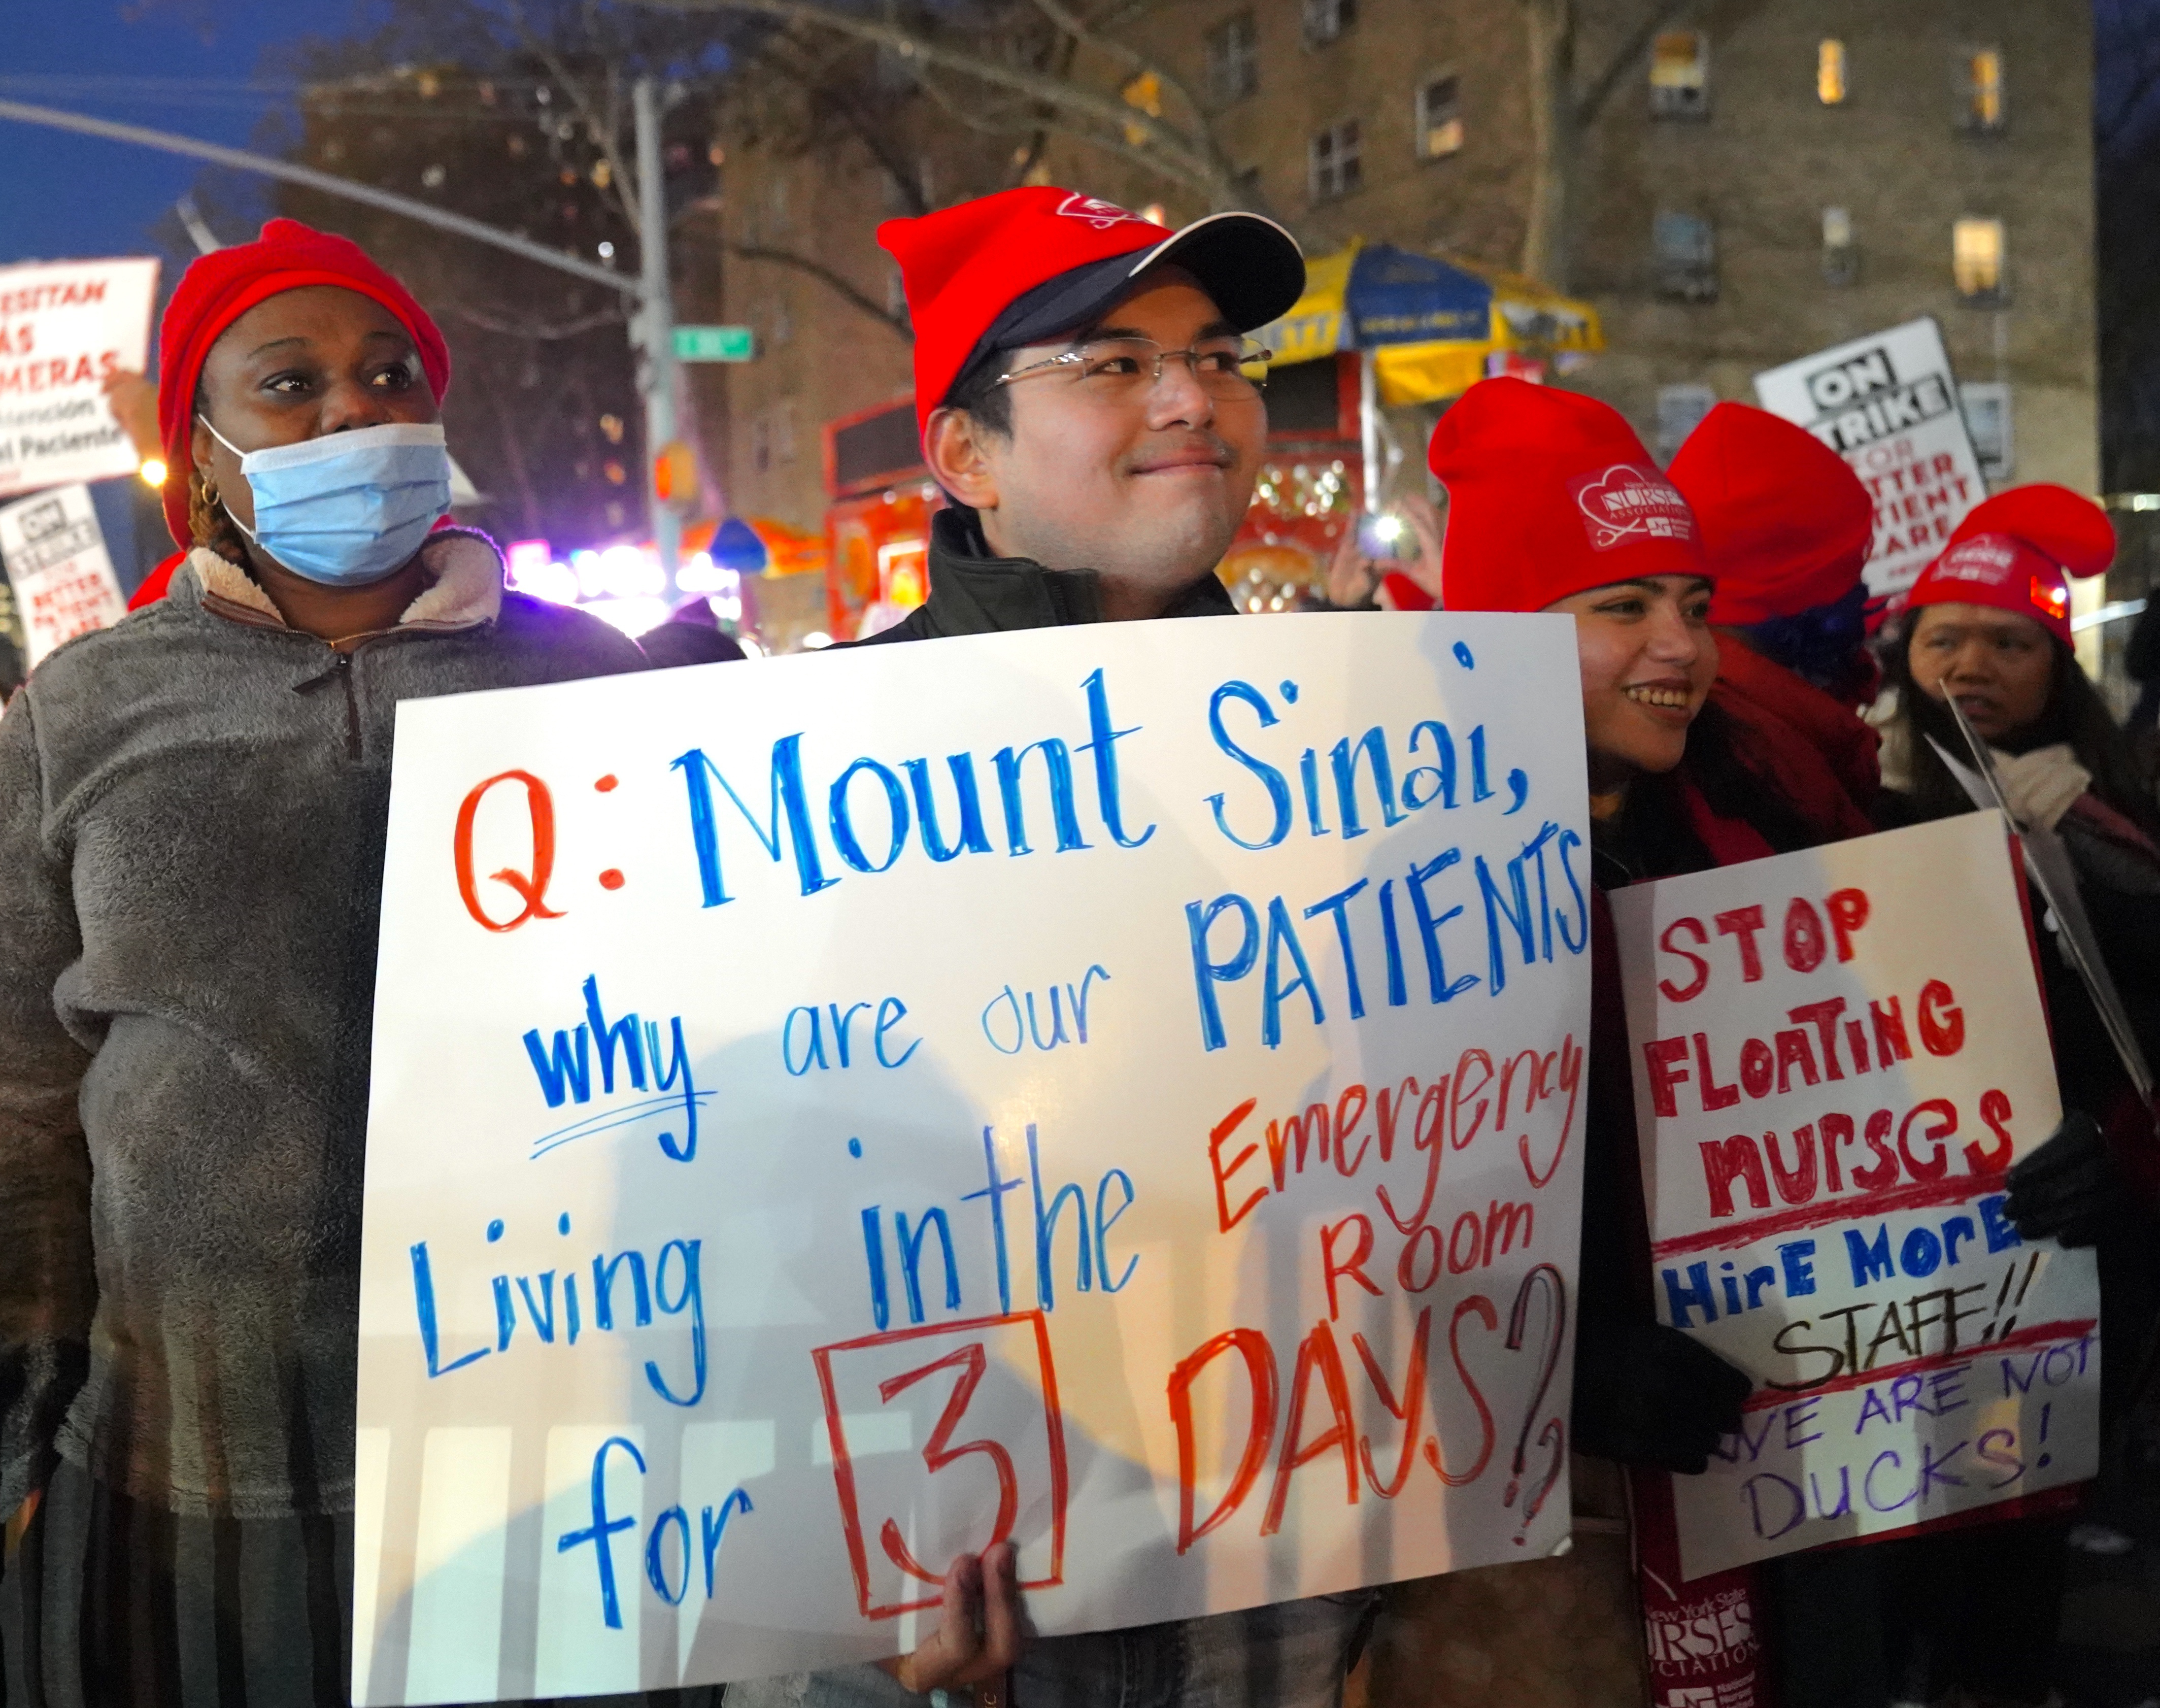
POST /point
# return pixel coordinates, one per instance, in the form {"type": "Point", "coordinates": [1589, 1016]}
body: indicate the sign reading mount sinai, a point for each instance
{"type": "Point", "coordinates": [1119, 1088]}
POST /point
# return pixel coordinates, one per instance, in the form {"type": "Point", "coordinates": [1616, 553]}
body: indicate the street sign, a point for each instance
{"type": "Point", "coordinates": [714, 344]}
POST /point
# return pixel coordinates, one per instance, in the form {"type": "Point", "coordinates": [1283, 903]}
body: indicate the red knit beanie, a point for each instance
{"type": "Point", "coordinates": [219, 288]}
{"type": "Point", "coordinates": [1786, 524]}
{"type": "Point", "coordinates": [1550, 493]}
{"type": "Point", "coordinates": [2013, 552]}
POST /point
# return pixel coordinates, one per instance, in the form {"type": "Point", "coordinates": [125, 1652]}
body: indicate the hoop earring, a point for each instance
{"type": "Point", "coordinates": [210, 498]}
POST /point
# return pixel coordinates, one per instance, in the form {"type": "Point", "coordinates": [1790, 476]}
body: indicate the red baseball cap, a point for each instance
{"type": "Point", "coordinates": [1024, 265]}
{"type": "Point", "coordinates": [219, 288]}
{"type": "Point", "coordinates": [2014, 552]}
{"type": "Point", "coordinates": [1786, 524]}
{"type": "Point", "coordinates": [1550, 493]}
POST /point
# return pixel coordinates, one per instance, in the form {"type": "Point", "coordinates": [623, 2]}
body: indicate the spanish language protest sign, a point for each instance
{"type": "Point", "coordinates": [1889, 404]}
{"type": "Point", "coordinates": [64, 326]}
{"type": "Point", "coordinates": [1118, 1088]}
{"type": "Point", "coordinates": [1837, 1054]}
{"type": "Point", "coordinates": [55, 558]}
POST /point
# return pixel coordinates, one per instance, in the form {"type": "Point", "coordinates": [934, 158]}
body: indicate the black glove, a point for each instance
{"type": "Point", "coordinates": [1646, 1394]}
{"type": "Point", "coordinates": [2066, 1189]}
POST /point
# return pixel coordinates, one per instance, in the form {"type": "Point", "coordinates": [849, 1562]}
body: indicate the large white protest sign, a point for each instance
{"type": "Point", "coordinates": [1889, 404]}
{"type": "Point", "coordinates": [1837, 1054]}
{"type": "Point", "coordinates": [55, 556]}
{"type": "Point", "coordinates": [1117, 1088]}
{"type": "Point", "coordinates": [64, 326]}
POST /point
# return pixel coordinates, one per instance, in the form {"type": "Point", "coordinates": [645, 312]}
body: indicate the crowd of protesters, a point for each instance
{"type": "Point", "coordinates": [193, 806]}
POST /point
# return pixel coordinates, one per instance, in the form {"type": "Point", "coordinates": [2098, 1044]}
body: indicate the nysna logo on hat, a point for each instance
{"type": "Point", "coordinates": [1629, 503]}
{"type": "Point", "coordinates": [1095, 212]}
{"type": "Point", "coordinates": [1990, 559]}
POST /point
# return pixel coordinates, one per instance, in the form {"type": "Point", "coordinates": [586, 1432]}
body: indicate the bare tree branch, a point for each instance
{"type": "Point", "coordinates": [546, 332]}
{"type": "Point", "coordinates": [1142, 66]}
{"type": "Point", "coordinates": [1174, 154]}
{"type": "Point", "coordinates": [825, 275]}
{"type": "Point", "coordinates": [603, 131]}
{"type": "Point", "coordinates": [1591, 102]}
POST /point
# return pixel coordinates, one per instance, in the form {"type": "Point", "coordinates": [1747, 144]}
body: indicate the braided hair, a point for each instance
{"type": "Point", "coordinates": [209, 522]}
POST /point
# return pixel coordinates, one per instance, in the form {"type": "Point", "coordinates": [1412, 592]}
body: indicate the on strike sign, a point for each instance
{"type": "Point", "coordinates": [1889, 404]}
{"type": "Point", "coordinates": [55, 556]}
{"type": "Point", "coordinates": [64, 326]}
{"type": "Point", "coordinates": [1117, 1089]}
{"type": "Point", "coordinates": [1837, 1055]}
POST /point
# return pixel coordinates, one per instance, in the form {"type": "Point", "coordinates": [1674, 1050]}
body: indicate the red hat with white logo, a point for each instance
{"type": "Point", "coordinates": [2014, 552]}
{"type": "Point", "coordinates": [1550, 493]}
{"type": "Point", "coordinates": [1786, 524]}
{"type": "Point", "coordinates": [1024, 265]}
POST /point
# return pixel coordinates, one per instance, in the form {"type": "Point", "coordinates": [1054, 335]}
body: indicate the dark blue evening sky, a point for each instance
{"type": "Point", "coordinates": [64, 195]}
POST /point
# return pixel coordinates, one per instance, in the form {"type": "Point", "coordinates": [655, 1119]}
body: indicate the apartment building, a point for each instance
{"type": "Point", "coordinates": [1767, 179]}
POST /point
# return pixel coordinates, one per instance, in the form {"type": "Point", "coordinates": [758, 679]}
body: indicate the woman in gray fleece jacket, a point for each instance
{"type": "Point", "coordinates": [192, 813]}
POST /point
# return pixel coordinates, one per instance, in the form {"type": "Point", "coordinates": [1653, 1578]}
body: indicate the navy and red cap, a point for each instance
{"type": "Point", "coordinates": [1026, 265]}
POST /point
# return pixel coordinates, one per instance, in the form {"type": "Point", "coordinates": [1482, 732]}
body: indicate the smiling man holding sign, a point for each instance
{"type": "Point", "coordinates": [1104, 1099]}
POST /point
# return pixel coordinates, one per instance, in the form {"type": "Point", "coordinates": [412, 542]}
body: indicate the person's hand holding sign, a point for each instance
{"type": "Point", "coordinates": [981, 1632]}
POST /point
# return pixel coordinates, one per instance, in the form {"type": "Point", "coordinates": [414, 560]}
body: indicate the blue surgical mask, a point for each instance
{"type": "Point", "coordinates": [348, 508]}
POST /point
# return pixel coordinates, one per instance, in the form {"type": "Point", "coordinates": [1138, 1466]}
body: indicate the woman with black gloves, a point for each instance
{"type": "Point", "coordinates": [1554, 505]}
{"type": "Point", "coordinates": [1972, 1614]}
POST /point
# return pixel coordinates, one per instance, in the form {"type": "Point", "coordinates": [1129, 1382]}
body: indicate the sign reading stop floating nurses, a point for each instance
{"type": "Point", "coordinates": [1837, 1055]}
{"type": "Point", "coordinates": [65, 326]}
{"type": "Point", "coordinates": [1889, 404]}
{"type": "Point", "coordinates": [1119, 1088]}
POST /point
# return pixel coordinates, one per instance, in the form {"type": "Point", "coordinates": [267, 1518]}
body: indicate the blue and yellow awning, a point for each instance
{"type": "Point", "coordinates": [1430, 324]}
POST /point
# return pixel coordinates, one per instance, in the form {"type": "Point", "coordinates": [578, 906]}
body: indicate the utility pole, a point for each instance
{"type": "Point", "coordinates": [654, 328]}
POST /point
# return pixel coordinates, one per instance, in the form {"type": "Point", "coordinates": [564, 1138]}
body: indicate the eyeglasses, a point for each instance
{"type": "Point", "coordinates": [1122, 370]}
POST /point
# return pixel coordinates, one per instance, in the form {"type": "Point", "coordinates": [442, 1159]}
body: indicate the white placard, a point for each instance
{"type": "Point", "coordinates": [1118, 1087]}
{"type": "Point", "coordinates": [1889, 404]}
{"type": "Point", "coordinates": [1837, 1056]}
{"type": "Point", "coordinates": [55, 556]}
{"type": "Point", "coordinates": [64, 326]}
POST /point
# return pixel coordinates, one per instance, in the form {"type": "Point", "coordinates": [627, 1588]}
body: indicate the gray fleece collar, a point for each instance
{"type": "Point", "coordinates": [463, 589]}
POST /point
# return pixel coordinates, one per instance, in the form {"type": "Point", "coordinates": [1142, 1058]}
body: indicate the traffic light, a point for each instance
{"type": "Point", "coordinates": [675, 477]}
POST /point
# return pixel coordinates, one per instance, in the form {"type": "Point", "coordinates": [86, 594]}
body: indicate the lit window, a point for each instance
{"type": "Point", "coordinates": [1680, 74]}
{"type": "Point", "coordinates": [1233, 59]}
{"type": "Point", "coordinates": [1438, 117]}
{"type": "Point", "coordinates": [1976, 249]}
{"type": "Point", "coordinates": [1686, 249]}
{"type": "Point", "coordinates": [1144, 94]}
{"type": "Point", "coordinates": [1981, 106]}
{"type": "Point", "coordinates": [1841, 258]}
{"type": "Point", "coordinates": [1325, 20]}
{"type": "Point", "coordinates": [1334, 168]}
{"type": "Point", "coordinates": [1830, 74]}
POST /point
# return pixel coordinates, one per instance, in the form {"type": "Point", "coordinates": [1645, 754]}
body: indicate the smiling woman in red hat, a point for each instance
{"type": "Point", "coordinates": [1554, 505]}
{"type": "Point", "coordinates": [192, 814]}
